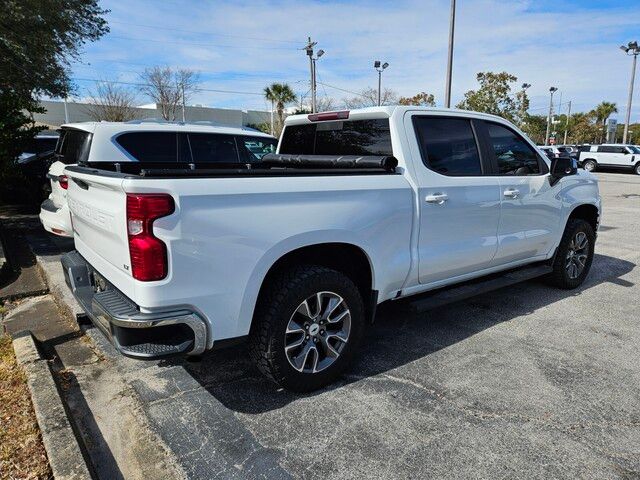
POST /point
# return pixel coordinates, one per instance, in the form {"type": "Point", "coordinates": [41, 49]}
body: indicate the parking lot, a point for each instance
{"type": "Point", "coordinates": [528, 381]}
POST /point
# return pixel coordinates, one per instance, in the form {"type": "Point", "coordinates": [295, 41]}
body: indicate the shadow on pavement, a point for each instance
{"type": "Point", "coordinates": [398, 337]}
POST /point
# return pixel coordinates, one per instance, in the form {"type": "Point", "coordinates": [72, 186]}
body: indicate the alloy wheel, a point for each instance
{"type": "Point", "coordinates": [317, 332]}
{"type": "Point", "coordinates": [577, 255]}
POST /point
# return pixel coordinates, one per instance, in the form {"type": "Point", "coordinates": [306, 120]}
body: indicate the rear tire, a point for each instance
{"type": "Point", "coordinates": [574, 256]}
{"type": "Point", "coordinates": [636, 170]}
{"type": "Point", "coordinates": [307, 327]}
{"type": "Point", "coordinates": [590, 165]}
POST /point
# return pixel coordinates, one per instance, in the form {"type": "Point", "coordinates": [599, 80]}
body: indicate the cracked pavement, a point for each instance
{"type": "Point", "coordinates": [528, 381]}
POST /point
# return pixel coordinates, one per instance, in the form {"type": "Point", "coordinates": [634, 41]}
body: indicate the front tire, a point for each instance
{"type": "Point", "coordinates": [590, 165]}
{"type": "Point", "coordinates": [574, 256]}
{"type": "Point", "coordinates": [636, 170]}
{"type": "Point", "coordinates": [307, 327]}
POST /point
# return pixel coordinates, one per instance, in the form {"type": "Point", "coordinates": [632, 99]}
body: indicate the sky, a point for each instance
{"type": "Point", "coordinates": [243, 46]}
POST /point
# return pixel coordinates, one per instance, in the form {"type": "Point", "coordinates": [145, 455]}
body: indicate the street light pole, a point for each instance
{"type": "Point", "coordinates": [552, 90]}
{"type": "Point", "coordinates": [380, 68]}
{"type": "Point", "coordinates": [632, 49]}
{"type": "Point", "coordinates": [309, 50]}
{"type": "Point", "coordinates": [452, 22]}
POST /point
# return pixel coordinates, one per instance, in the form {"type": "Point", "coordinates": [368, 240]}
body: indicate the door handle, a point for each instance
{"type": "Point", "coordinates": [437, 198]}
{"type": "Point", "coordinates": [511, 193]}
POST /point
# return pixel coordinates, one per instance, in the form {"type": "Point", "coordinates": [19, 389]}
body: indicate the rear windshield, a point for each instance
{"type": "Point", "coordinates": [73, 146]}
{"type": "Point", "coordinates": [356, 137]}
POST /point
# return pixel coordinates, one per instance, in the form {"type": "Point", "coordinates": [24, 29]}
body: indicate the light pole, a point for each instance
{"type": "Point", "coordinates": [523, 111]}
{"type": "Point", "coordinates": [452, 22]}
{"type": "Point", "coordinates": [632, 49]}
{"type": "Point", "coordinates": [315, 83]}
{"type": "Point", "coordinates": [380, 69]}
{"type": "Point", "coordinates": [309, 50]}
{"type": "Point", "coordinates": [552, 90]}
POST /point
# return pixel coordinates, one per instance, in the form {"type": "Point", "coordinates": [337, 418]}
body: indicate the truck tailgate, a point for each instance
{"type": "Point", "coordinates": [98, 213]}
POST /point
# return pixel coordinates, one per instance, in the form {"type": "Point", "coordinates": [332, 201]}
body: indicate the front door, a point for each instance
{"type": "Point", "coordinates": [529, 219]}
{"type": "Point", "coordinates": [459, 207]}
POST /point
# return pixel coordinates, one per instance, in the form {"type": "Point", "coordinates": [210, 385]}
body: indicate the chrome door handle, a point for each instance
{"type": "Point", "coordinates": [438, 198]}
{"type": "Point", "coordinates": [511, 193]}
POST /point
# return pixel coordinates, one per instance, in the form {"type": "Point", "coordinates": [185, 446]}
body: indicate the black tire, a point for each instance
{"type": "Point", "coordinates": [636, 169]}
{"type": "Point", "coordinates": [276, 307]}
{"type": "Point", "coordinates": [590, 165]}
{"type": "Point", "coordinates": [560, 277]}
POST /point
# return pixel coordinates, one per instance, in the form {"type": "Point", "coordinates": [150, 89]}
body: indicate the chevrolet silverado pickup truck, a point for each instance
{"type": "Point", "coordinates": [295, 252]}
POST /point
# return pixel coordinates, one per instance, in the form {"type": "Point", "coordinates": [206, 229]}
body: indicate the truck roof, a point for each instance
{"type": "Point", "coordinates": [157, 125]}
{"type": "Point", "coordinates": [386, 112]}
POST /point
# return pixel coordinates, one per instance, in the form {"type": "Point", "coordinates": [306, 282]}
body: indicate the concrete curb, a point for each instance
{"type": "Point", "coordinates": [61, 444]}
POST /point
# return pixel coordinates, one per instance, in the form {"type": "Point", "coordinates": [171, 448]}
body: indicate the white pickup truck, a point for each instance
{"type": "Point", "coordinates": [356, 208]}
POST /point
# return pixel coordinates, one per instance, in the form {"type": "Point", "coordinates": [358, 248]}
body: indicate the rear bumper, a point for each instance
{"type": "Point", "coordinates": [134, 334]}
{"type": "Point", "coordinates": [56, 220]}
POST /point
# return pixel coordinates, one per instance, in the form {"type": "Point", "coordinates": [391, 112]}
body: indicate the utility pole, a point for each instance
{"type": "Point", "coordinates": [552, 90]}
{"type": "Point", "coordinates": [452, 22]}
{"type": "Point", "coordinates": [566, 124]}
{"type": "Point", "coordinates": [183, 104]}
{"type": "Point", "coordinates": [272, 130]}
{"type": "Point", "coordinates": [309, 50]}
{"type": "Point", "coordinates": [632, 49]}
{"type": "Point", "coordinates": [523, 110]}
{"type": "Point", "coordinates": [380, 69]}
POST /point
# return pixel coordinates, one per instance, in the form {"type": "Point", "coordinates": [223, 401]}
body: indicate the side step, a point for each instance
{"type": "Point", "coordinates": [446, 295]}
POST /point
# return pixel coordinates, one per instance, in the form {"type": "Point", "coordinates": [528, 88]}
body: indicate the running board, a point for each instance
{"type": "Point", "coordinates": [446, 295]}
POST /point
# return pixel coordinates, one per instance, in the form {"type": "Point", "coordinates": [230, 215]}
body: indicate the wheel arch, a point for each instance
{"type": "Point", "coordinates": [587, 212]}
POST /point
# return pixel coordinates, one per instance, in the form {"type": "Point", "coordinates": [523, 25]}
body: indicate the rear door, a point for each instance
{"type": "Point", "coordinates": [613, 155]}
{"type": "Point", "coordinates": [459, 207]}
{"type": "Point", "coordinates": [530, 205]}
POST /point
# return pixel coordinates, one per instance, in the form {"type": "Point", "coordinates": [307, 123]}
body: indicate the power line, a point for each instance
{"type": "Point", "coordinates": [343, 90]}
{"type": "Point", "coordinates": [162, 27]}
{"type": "Point", "coordinates": [123, 37]}
{"type": "Point", "coordinates": [148, 85]}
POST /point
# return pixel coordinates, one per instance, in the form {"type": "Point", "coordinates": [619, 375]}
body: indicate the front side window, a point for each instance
{"type": "Point", "coordinates": [448, 145]}
{"type": "Point", "coordinates": [513, 154]}
{"type": "Point", "coordinates": [213, 148]}
{"type": "Point", "coordinates": [161, 147]}
{"type": "Point", "coordinates": [351, 137]}
{"type": "Point", "coordinates": [254, 148]}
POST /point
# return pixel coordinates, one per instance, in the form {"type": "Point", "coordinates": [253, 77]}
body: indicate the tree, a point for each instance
{"type": "Point", "coordinates": [583, 127]}
{"type": "Point", "coordinates": [421, 99]}
{"type": "Point", "coordinates": [323, 104]}
{"type": "Point", "coordinates": [494, 96]}
{"type": "Point", "coordinates": [38, 41]}
{"type": "Point", "coordinates": [169, 88]}
{"type": "Point", "coordinates": [535, 126]}
{"type": "Point", "coordinates": [280, 95]}
{"type": "Point", "coordinates": [112, 103]}
{"type": "Point", "coordinates": [369, 98]}
{"type": "Point", "coordinates": [602, 113]}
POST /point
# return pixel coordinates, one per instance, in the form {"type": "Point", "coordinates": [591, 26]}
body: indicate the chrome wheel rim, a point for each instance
{"type": "Point", "coordinates": [317, 332]}
{"type": "Point", "coordinates": [577, 255]}
{"type": "Point", "coordinates": [588, 166]}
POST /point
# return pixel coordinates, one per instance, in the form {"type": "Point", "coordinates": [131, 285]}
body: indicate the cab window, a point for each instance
{"type": "Point", "coordinates": [514, 156]}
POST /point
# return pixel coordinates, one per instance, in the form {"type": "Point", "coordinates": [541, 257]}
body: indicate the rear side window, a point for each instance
{"type": "Point", "coordinates": [513, 154]}
{"type": "Point", "coordinates": [254, 148]}
{"type": "Point", "coordinates": [448, 145]}
{"type": "Point", "coordinates": [611, 149]}
{"type": "Point", "coordinates": [161, 147]}
{"type": "Point", "coordinates": [213, 148]}
{"type": "Point", "coordinates": [73, 146]}
{"type": "Point", "coordinates": [355, 137]}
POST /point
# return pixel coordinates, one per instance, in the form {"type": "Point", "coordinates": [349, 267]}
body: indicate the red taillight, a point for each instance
{"type": "Point", "coordinates": [148, 253]}
{"type": "Point", "coordinates": [318, 117]}
{"type": "Point", "coordinates": [63, 180]}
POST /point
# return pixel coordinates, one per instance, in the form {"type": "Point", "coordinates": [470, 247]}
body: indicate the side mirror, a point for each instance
{"type": "Point", "coordinates": [562, 167]}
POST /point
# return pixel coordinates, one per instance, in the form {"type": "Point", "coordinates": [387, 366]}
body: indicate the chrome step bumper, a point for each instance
{"type": "Point", "coordinates": [134, 334]}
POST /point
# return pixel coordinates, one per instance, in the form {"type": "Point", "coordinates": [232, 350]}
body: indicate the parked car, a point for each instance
{"type": "Point", "coordinates": [357, 208]}
{"type": "Point", "coordinates": [553, 151]}
{"type": "Point", "coordinates": [42, 144]}
{"type": "Point", "coordinates": [613, 156]}
{"type": "Point", "coordinates": [35, 161]}
{"type": "Point", "coordinates": [153, 143]}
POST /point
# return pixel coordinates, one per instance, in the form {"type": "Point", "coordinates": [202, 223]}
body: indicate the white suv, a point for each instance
{"type": "Point", "coordinates": [156, 143]}
{"type": "Point", "coordinates": [611, 156]}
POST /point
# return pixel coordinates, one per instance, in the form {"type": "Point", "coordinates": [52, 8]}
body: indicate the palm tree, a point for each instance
{"type": "Point", "coordinates": [602, 112]}
{"type": "Point", "coordinates": [279, 94]}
